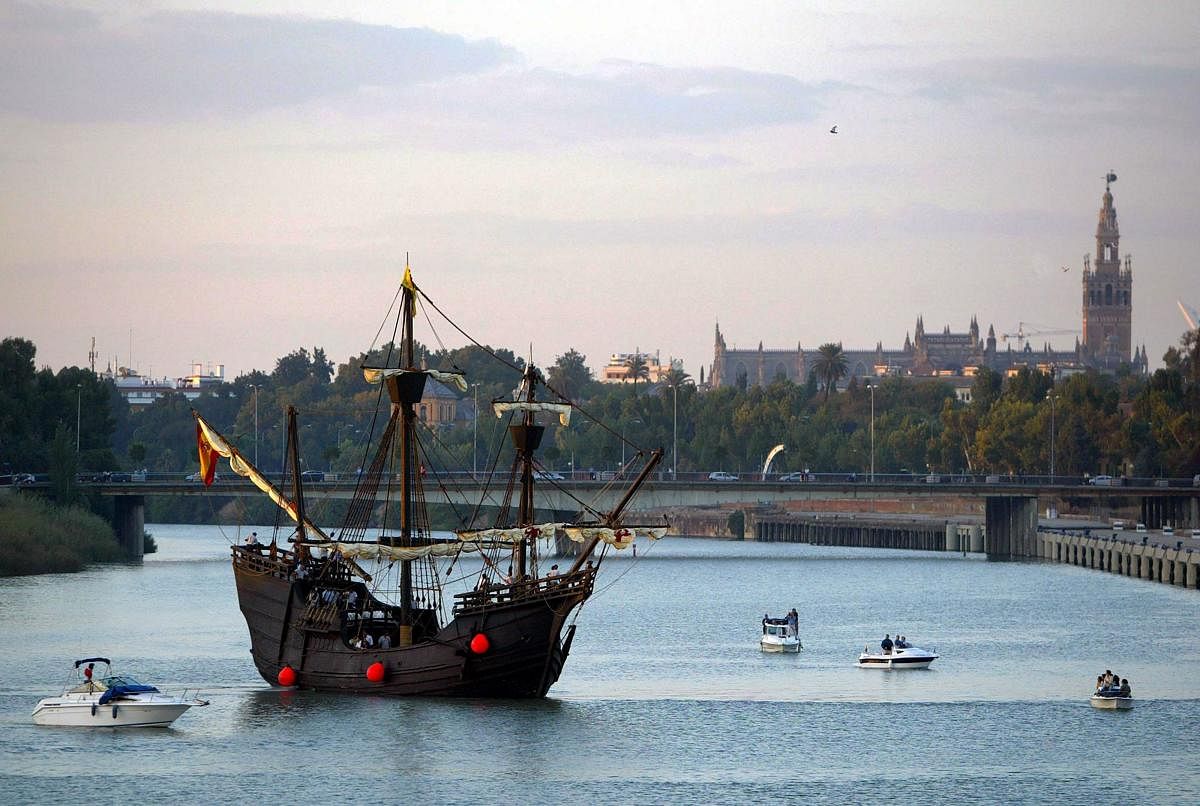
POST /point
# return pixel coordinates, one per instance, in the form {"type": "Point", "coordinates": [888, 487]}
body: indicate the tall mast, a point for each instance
{"type": "Point", "coordinates": [526, 437]}
{"type": "Point", "coordinates": [297, 486]}
{"type": "Point", "coordinates": [405, 390]}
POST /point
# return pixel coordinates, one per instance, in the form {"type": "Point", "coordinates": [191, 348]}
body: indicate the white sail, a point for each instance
{"type": "Point", "coordinates": [563, 410]}
{"type": "Point", "coordinates": [455, 379]}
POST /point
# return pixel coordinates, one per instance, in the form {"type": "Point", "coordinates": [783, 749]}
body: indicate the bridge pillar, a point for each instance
{"type": "Point", "coordinates": [951, 537]}
{"type": "Point", "coordinates": [129, 522]}
{"type": "Point", "coordinates": [1011, 526]}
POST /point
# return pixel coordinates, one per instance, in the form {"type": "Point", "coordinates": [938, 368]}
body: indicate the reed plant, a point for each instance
{"type": "Point", "coordinates": [37, 537]}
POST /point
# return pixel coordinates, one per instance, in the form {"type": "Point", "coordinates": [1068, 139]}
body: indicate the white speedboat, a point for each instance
{"type": "Point", "coordinates": [111, 701]}
{"type": "Point", "coordinates": [1111, 702]}
{"type": "Point", "coordinates": [908, 657]}
{"type": "Point", "coordinates": [779, 635]}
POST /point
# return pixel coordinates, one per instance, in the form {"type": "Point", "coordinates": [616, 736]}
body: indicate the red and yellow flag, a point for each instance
{"type": "Point", "coordinates": [208, 457]}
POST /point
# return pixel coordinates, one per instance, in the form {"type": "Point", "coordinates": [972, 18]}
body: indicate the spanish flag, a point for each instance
{"type": "Point", "coordinates": [208, 456]}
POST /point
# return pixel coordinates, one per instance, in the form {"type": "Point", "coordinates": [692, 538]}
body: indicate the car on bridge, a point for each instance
{"type": "Point", "coordinates": [312, 475]}
{"type": "Point", "coordinates": [1106, 481]}
{"type": "Point", "coordinates": [547, 475]}
{"type": "Point", "coordinates": [198, 476]}
{"type": "Point", "coordinates": [721, 475]}
{"type": "Point", "coordinates": [799, 475]}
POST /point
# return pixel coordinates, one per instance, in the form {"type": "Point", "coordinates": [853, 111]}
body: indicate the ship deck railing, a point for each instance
{"type": "Point", "coordinates": [578, 583]}
{"type": "Point", "coordinates": [265, 559]}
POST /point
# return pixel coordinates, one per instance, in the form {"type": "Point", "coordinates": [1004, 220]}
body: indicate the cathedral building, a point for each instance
{"type": "Point", "coordinates": [1106, 343]}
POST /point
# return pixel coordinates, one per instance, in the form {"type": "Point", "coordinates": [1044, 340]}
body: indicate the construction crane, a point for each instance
{"type": "Point", "coordinates": [1023, 333]}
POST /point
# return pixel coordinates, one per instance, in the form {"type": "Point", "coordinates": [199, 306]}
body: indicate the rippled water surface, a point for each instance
{"type": "Point", "coordinates": [665, 699]}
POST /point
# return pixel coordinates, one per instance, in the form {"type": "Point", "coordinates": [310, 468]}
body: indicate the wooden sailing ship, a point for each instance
{"type": "Point", "coordinates": [367, 610]}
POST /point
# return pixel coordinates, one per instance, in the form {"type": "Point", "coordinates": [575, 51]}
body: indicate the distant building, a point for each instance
{"type": "Point", "coordinates": [141, 391]}
{"type": "Point", "coordinates": [439, 404]}
{"type": "Point", "coordinates": [617, 370]}
{"type": "Point", "coordinates": [1106, 343]}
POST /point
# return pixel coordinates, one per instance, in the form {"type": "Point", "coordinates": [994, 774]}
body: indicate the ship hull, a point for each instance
{"type": "Point", "coordinates": [524, 657]}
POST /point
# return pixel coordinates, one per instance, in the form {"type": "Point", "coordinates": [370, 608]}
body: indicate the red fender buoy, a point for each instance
{"type": "Point", "coordinates": [375, 672]}
{"type": "Point", "coordinates": [287, 676]}
{"type": "Point", "coordinates": [480, 644]}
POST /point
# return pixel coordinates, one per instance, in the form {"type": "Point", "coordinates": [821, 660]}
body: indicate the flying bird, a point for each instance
{"type": "Point", "coordinates": [833, 130]}
{"type": "Point", "coordinates": [1066, 268]}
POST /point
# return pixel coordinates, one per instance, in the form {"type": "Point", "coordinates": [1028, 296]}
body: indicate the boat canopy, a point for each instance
{"type": "Point", "coordinates": [120, 691]}
{"type": "Point", "coordinates": [79, 663]}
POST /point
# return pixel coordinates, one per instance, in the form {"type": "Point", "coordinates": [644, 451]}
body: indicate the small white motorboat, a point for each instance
{"type": "Point", "coordinates": [906, 657]}
{"type": "Point", "coordinates": [780, 635]}
{"type": "Point", "coordinates": [111, 701]}
{"type": "Point", "coordinates": [1112, 702]}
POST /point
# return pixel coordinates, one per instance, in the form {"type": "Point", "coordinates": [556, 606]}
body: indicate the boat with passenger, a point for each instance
{"type": "Point", "coordinates": [1112, 693]}
{"type": "Point", "coordinates": [781, 634]}
{"type": "Point", "coordinates": [898, 654]}
{"type": "Point", "coordinates": [111, 701]}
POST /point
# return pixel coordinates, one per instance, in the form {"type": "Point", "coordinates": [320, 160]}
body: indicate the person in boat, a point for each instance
{"type": "Point", "coordinates": [765, 618]}
{"type": "Point", "coordinates": [385, 641]}
{"type": "Point", "coordinates": [793, 621]}
{"type": "Point", "coordinates": [1099, 683]}
{"type": "Point", "coordinates": [1108, 678]}
{"type": "Point", "coordinates": [484, 583]}
{"type": "Point", "coordinates": [553, 573]}
{"type": "Point", "coordinates": [252, 541]}
{"type": "Point", "coordinates": [886, 644]}
{"type": "Point", "coordinates": [1125, 690]}
{"type": "Point", "coordinates": [87, 672]}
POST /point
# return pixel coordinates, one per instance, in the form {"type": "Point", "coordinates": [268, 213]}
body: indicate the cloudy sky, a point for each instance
{"type": "Point", "coordinates": [229, 181]}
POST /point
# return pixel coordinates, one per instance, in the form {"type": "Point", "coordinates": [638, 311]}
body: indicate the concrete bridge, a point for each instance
{"type": "Point", "coordinates": [1010, 505]}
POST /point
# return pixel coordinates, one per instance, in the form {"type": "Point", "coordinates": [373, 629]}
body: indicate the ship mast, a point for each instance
{"type": "Point", "coordinates": [526, 437]}
{"type": "Point", "coordinates": [405, 391]}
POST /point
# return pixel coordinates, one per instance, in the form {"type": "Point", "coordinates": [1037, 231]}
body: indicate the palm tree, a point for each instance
{"type": "Point", "coordinates": [635, 368]}
{"type": "Point", "coordinates": [675, 376]}
{"type": "Point", "coordinates": [830, 365]}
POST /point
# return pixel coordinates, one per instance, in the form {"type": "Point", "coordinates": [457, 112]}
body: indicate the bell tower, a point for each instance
{"type": "Point", "coordinates": [1108, 291]}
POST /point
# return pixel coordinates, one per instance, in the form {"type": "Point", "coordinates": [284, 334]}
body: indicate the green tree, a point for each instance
{"type": "Point", "coordinates": [570, 376]}
{"type": "Point", "coordinates": [63, 467]}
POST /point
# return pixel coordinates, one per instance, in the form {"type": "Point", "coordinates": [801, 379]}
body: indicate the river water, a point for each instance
{"type": "Point", "coordinates": [665, 698]}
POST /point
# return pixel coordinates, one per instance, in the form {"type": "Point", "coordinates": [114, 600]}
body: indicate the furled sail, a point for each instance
{"type": "Point", "coordinates": [381, 551]}
{"type": "Point", "coordinates": [541, 531]}
{"type": "Point", "coordinates": [240, 465]}
{"type": "Point", "coordinates": [455, 379]}
{"type": "Point", "coordinates": [618, 538]}
{"type": "Point", "coordinates": [563, 410]}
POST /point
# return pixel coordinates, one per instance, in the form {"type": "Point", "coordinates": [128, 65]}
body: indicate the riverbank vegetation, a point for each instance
{"type": "Point", "coordinates": [37, 537]}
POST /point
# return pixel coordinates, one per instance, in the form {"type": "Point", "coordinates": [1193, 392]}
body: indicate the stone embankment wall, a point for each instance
{"type": "Point", "coordinates": [1170, 565]}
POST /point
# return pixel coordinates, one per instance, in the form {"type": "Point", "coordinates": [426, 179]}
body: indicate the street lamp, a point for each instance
{"type": "Point", "coordinates": [871, 386]}
{"type": "Point", "coordinates": [674, 432]}
{"type": "Point", "coordinates": [475, 432]}
{"type": "Point", "coordinates": [255, 386]}
{"type": "Point", "coordinates": [78, 411]}
{"type": "Point", "coordinates": [1051, 397]}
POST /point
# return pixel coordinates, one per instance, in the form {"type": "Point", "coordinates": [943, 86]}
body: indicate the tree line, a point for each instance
{"type": "Point", "coordinates": [1101, 423]}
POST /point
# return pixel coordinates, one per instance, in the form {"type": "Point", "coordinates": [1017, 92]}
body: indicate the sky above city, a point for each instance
{"type": "Point", "coordinates": [225, 182]}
